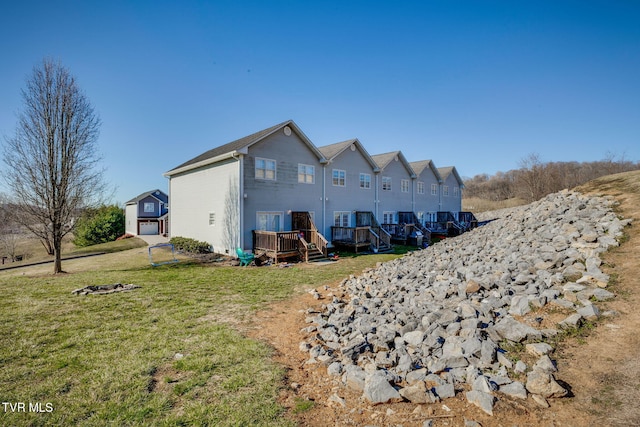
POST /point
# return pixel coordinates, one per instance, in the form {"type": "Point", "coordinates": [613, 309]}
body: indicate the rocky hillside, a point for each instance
{"type": "Point", "coordinates": [442, 321]}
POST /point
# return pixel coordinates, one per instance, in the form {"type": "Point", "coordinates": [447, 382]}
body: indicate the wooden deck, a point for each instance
{"type": "Point", "coordinates": [277, 245]}
{"type": "Point", "coordinates": [304, 242]}
{"type": "Point", "coordinates": [359, 238]}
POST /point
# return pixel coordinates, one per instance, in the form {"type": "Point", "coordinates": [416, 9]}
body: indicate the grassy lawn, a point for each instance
{"type": "Point", "coordinates": [164, 354]}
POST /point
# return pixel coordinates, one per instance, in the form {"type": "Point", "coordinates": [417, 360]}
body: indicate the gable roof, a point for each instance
{"type": "Point", "coordinates": [419, 167]}
{"type": "Point", "coordinates": [158, 194]}
{"type": "Point", "coordinates": [240, 146]}
{"type": "Point", "coordinates": [332, 151]}
{"type": "Point", "coordinates": [448, 170]}
{"type": "Point", "coordinates": [383, 160]}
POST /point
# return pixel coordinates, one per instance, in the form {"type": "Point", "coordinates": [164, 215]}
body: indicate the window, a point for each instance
{"type": "Point", "coordinates": [306, 174]}
{"type": "Point", "coordinates": [404, 185]}
{"type": "Point", "coordinates": [434, 189]}
{"type": "Point", "coordinates": [445, 190]}
{"type": "Point", "coordinates": [269, 221]}
{"type": "Point", "coordinates": [386, 183]}
{"type": "Point", "coordinates": [388, 217]}
{"type": "Point", "coordinates": [420, 187]}
{"type": "Point", "coordinates": [365, 181]}
{"type": "Point", "coordinates": [456, 190]}
{"type": "Point", "coordinates": [212, 218]}
{"type": "Point", "coordinates": [420, 216]}
{"type": "Point", "coordinates": [339, 178]}
{"type": "Point", "coordinates": [149, 207]}
{"type": "Point", "coordinates": [265, 169]}
{"type": "Point", "coordinates": [342, 219]}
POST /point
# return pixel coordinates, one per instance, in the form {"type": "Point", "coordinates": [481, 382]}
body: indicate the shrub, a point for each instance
{"type": "Point", "coordinates": [186, 244]}
{"type": "Point", "coordinates": [101, 225]}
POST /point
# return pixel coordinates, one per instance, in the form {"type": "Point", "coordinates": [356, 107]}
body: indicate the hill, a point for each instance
{"type": "Point", "coordinates": [597, 363]}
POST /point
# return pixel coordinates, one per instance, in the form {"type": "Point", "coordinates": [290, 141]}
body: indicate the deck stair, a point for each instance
{"type": "Point", "coordinates": [380, 238]}
{"type": "Point", "coordinates": [412, 218]}
{"type": "Point", "coordinates": [313, 245]}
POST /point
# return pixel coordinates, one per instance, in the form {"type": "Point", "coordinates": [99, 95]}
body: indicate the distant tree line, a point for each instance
{"type": "Point", "coordinates": [535, 179]}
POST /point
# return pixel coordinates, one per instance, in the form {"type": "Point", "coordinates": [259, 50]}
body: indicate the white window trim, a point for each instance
{"type": "Point", "coordinates": [270, 213]}
{"type": "Point", "coordinates": [364, 184]}
{"type": "Point", "coordinates": [434, 189]}
{"type": "Point", "coordinates": [343, 214]}
{"type": "Point", "coordinates": [420, 187]}
{"type": "Point", "coordinates": [153, 207]}
{"type": "Point", "coordinates": [456, 191]}
{"type": "Point", "coordinates": [387, 182]}
{"type": "Point", "coordinates": [342, 178]}
{"type": "Point", "coordinates": [307, 169]}
{"type": "Point", "coordinates": [265, 169]}
{"type": "Point", "coordinates": [404, 185]}
{"type": "Point", "coordinates": [445, 190]}
{"type": "Point", "coordinates": [386, 215]}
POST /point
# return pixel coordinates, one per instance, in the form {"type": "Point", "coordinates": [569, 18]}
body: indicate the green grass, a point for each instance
{"type": "Point", "coordinates": [164, 354]}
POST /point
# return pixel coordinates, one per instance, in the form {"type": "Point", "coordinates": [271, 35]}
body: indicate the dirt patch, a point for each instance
{"type": "Point", "coordinates": [602, 370]}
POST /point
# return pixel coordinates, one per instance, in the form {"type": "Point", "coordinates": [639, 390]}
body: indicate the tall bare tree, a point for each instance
{"type": "Point", "coordinates": [52, 160]}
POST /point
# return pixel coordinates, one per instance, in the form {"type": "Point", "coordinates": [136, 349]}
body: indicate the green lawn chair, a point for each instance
{"type": "Point", "coordinates": [244, 257]}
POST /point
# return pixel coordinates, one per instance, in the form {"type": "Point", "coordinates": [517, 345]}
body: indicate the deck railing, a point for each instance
{"type": "Point", "coordinates": [275, 243]}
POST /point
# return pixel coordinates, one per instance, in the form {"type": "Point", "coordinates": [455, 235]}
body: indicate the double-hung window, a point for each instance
{"type": "Point", "coordinates": [339, 178]}
{"type": "Point", "coordinates": [365, 181]}
{"type": "Point", "coordinates": [306, 174]}
{"type": "Point", "coordinates": [420, 188]}
{"type": "Point", "coordinates": [456, 191]}
{"type": "Point", "coordinates": [404, 185]}
{"type": "Point", "coordinates": [149, 207]}
{"type": "Point", "coordinates": [386, 183]}
{"type": "Point", "coordinates": [265, 169]}
{"type": "Point", "coordinates": [445, 190]}
{"type": "Point", "coordinates": [434, 189]}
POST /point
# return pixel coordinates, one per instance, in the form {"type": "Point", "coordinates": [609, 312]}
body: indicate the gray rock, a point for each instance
{"type": "Point", "coordinates": [514, 389]}
{"type": "Point", "coordinates": [543, 383]}
{"type": "Point", "coordinates": [445, 391]}
{"type": "Point", "coordinates": [481, 399]}
{"type": "Point", "coordinates": [378, 390]}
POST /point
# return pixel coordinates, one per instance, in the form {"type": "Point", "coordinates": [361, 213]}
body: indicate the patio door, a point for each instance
{"type": "Point", "coordinates": [269, 221]}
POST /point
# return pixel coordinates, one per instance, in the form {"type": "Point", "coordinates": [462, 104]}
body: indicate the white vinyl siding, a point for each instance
{"type": "Point", "coordinates": [306, 174]}
{"type": "Point", "coordinates": [265, 169]}
{"type": "Point", "coordinates": [365, 181]}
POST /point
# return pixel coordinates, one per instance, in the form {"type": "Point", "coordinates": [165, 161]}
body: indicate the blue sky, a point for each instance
{"type": "Point", "coordinates": [475, 84]}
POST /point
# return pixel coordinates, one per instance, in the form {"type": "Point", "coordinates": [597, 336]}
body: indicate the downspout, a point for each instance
{"type": "Point", "coordinates": [376, 202]}
{"type": "Point", "coordinates": [240, 160]}
{"type": "Point", "coordinates": [413, 194]}
{"type": "Point", "coordinates": [324, 200]}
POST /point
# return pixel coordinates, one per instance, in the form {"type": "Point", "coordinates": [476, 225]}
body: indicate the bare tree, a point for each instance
{"type": "Point", "coordinates": [52, 160]}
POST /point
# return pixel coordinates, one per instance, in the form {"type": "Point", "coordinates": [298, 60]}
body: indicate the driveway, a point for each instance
{"type": "Point", "coordinates": [153, 239]}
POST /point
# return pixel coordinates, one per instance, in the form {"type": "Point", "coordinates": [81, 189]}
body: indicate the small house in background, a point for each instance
{"type": "Point", "coordinates": [147, 214]}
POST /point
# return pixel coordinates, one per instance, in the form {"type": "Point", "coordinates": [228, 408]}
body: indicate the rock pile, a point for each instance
{"type": "Point", "coordinates": [430, 324]}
